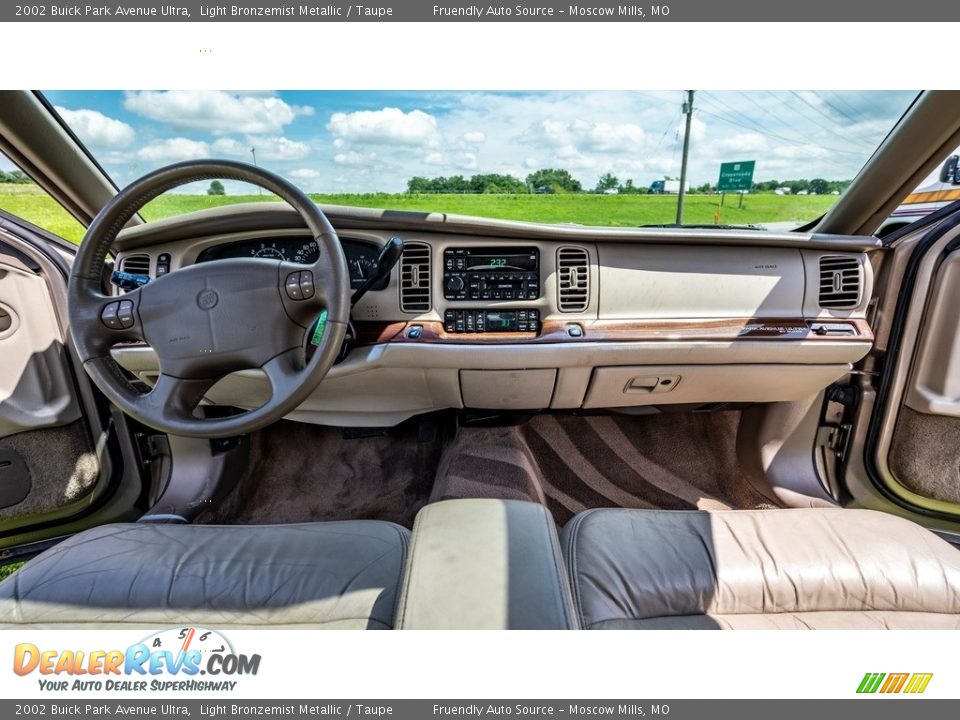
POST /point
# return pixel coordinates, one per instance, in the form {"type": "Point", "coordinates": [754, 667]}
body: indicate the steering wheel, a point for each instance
{"type": "Point", "coordinates": [207, 321]}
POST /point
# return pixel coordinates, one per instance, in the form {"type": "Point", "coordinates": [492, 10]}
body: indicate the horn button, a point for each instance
{"type": "Point", "coordinates": [212, 319]}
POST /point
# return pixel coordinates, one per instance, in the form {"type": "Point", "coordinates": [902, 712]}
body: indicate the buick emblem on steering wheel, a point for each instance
{"type": "Point", "coordinates": [208, 299]}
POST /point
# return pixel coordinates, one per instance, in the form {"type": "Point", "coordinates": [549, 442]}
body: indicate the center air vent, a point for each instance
{"type": "Point", "coordinates": [415, 278]}
{"type": "Point", "coordinates": [136, 264]}
{"type": "Point", "coordinates": [573, 278]}
{"type": "Point", "coordinates": [841, 282]}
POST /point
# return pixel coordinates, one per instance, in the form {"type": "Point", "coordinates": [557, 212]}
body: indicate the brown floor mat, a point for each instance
{"type": "Point", "coordinates": [303, 473]}
{"type": "Point", "coordinates": [63, 468]}
{"type": "Point", "coordinates": [674, 461]}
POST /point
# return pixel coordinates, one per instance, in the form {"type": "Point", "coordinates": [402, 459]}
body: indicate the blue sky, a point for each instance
{"type": "Point", "coordinates": [373, 141]}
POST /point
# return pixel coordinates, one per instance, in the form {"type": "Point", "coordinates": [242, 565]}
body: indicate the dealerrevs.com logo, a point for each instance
{"type": "Point", "coordinates": [893, 683]}
{"type": "Point", "coordinates": [182, 659]}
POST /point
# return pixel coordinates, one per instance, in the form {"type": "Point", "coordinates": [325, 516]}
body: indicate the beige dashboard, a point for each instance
{"type": "Point", "coordinates": [623, 318]}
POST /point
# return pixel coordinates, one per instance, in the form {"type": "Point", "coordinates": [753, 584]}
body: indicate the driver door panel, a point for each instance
{"type": "Point", "coordinates": [47, 461]}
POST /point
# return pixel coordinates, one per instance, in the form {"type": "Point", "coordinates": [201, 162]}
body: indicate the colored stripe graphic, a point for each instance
{"type": "Point", "coordinates": [870, 682]}
{"type": "Point", "coordinates": [893, 683]}
{"type": "Point", "coordinates": [918, 682]}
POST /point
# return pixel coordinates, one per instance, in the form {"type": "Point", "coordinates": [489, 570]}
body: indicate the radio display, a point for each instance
{"type": "Point", "coordinates": [502, 259]}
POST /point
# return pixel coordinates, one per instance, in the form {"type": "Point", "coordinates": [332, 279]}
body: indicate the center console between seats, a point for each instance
{"type": "Point", "coordinates": [484, 564]}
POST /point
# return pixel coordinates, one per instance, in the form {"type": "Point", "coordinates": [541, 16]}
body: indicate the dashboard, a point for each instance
{"type": "Point", "coordinates": [361, 255]}
{"type": "Point", "coordinates": [513, 316]}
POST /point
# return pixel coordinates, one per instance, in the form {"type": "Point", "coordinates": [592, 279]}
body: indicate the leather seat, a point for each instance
{"type": "Point", "coordinates": [312, 575]}
{"type": "Point", "coordinates": [766, 569]}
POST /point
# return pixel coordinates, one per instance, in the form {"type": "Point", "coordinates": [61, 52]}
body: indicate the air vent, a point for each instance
{"type": "Point", "coordinates": [841, 282]}
{"type": "Point", "coordinates": [415, 278]}
{"type": "Point", "coordinates": [136, 264]}
{"type": "Point", "coordinates": [573, 275]}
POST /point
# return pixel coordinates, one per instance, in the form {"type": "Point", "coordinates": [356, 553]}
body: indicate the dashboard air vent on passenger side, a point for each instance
{"type": "Point", "coordinates": [841, 282]}
{"type": "Point", "coordinates": [136, 264]}
{"type": "Point", "coordinates": [415, 294]}
{"type": "Point", "coordinates": [573, 279]}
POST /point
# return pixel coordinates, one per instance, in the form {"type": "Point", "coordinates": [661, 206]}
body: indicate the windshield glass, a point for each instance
{"type": "Point", "coordinates": [780, 158]}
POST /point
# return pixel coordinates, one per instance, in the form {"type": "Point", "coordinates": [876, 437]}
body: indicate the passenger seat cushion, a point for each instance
{"type": "Point", "coordinates": [764, 569]}
{"type": "Point", "coordinates": [317, 575]}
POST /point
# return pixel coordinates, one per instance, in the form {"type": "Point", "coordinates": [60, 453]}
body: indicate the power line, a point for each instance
{"type": "Point", "coordinates": [833, 131]}
{"type": "Point", "coordinates": [789, 142]}
{"type": "Point", "coordinates": [755, 127]}
{"type": "Point", "coordinates": [833, 107]}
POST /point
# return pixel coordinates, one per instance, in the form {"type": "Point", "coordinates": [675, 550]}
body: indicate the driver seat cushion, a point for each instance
{"type": "Point", "coordinates": [312, 575]}
{"type": "Point", "coordinates": [828, 568]}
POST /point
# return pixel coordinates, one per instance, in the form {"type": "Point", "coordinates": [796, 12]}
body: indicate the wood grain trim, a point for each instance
{"type": "Point", "coordinates": [620, 331]}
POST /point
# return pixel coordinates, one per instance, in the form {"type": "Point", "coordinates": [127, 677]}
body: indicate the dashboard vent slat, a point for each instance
{"type": "Point", "coordinates": [573, 279]}
{"type": "Point", "coordinates": [136, 264]}
{"type": "Point", "coordinates": [841, 282]}
{"type": "Point", "coordinates": [415, 285]}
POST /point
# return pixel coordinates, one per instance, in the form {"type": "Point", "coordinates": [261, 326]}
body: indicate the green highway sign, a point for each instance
{"type": "Point", "coordinates": [736, 176]}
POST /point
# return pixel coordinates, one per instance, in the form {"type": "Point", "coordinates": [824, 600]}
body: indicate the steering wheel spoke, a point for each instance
{"type": "Point", "coordinates": [176, 398]}
{"type": "Point", "coordinates": [284, 371]}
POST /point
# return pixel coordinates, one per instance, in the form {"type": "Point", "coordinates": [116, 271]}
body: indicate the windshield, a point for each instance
{"type": "Point", "coordinates": [776, 159]}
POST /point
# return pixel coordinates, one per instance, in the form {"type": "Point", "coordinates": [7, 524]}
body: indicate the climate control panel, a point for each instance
{"type": "Point", "coordinates": [491, 321]}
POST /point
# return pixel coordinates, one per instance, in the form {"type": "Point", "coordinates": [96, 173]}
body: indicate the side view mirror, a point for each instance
{"type": "Point", "coordinates": [948, 173]}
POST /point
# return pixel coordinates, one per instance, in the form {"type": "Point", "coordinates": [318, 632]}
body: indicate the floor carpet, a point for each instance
{"type": "Point", "coordinates": [63, 468]}
{"type": "Point", "coordinates": [305, 473]}
{"type": "Point", "coordinates": [675, 461]}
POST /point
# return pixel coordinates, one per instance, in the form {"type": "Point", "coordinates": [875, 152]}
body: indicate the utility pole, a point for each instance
{"type": "Point", "coordinates": [253, 151]}
{"type": "Point", "coordinates": [688, 111]}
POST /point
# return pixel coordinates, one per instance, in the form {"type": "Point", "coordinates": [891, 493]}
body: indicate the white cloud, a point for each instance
{"type": "Point", "coordinates": [742, 142]}
{"type": "Point", "coordinates": [531, 163]}
{"type": "Point", "coordinates": [268, 148]}
{"type": "Point", "coordinates": [698, 129]}
{"type": "Point", "coordinates": [354, 158]}
{"type": "Point", "coordinates": [389, 126]}
{"type": "Point", "coordinates": [474, 137]}
{"type": "Point", "coordinates": [468, 161]}
{"type": "Point", "coordinates": [217, 111]}
{"type": "Point", "coordinates": [435, 158]}
{"type": "Point", "coordinates": [96, 129]}
{"type": "Point", "coordinates": [173, 149]}
{"type": "Point", "coordinates": [602, 137]}
{"type": "Point", "coordinates": [304, 174]}
{"type": "Point", "coordinates": [793, 152]}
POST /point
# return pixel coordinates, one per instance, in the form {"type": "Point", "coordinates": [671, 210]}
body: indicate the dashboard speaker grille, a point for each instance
{"type": "Point", "coordinates": [415, 295]}
{"type": "Point", "coordinates": [136, 264]}
{"type": "Point", "coordinates": [573, 276]}
{"type": "Point", "coordinates": [841, 282]}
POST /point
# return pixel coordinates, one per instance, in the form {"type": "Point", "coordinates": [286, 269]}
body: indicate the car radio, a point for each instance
{"type": "Point", "coordinates": [491, 321]}
{"type": "Point", "coordinates": [491, 273]}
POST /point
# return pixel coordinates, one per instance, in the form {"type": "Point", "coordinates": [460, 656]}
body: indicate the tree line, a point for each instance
{"type": "Point", "coordinates": [557, 180]}
{"type": "Point", "coordinates": [16, 177]}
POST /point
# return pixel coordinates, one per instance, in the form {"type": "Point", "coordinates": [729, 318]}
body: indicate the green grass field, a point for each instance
{"type": "Point", "coordinates": [30, 203]}
{"type": "Point", "coordinates": [7, 570]}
